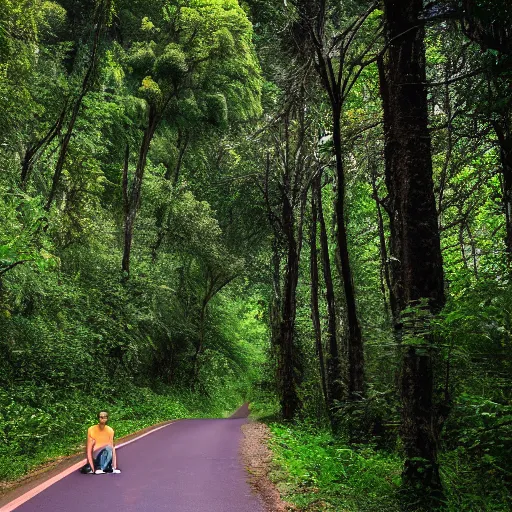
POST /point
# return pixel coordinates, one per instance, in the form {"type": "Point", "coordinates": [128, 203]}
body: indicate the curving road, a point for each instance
{"type": "Point", "coordinates": [187, 466]}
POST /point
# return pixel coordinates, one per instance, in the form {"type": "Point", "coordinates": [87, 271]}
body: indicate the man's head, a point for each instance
{"type": "Point", "coordinates": [102, 417]}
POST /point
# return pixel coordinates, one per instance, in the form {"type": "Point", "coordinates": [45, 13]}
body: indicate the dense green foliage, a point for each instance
{"type": "Point", "coordinates": [322, 473]}
{"type": "Point", "coordinates": [203, 125]}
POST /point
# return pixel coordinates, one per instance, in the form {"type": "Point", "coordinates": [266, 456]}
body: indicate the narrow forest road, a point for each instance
{"type": "Point", "coordinates": [186, 466]}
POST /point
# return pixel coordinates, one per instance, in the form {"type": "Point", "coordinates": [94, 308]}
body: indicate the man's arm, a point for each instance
{"type": "Point", "coordinates": [90, 446]}
{"type": "Point", "coordinates": [114, 458]}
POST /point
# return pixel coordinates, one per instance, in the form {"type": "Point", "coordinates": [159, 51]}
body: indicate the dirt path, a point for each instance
{"type": "Point", "coordinates": [257, 459]}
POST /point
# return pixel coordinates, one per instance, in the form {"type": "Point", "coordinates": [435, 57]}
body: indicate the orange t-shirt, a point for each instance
{"type": "Point", "coordinates": [103, 437]}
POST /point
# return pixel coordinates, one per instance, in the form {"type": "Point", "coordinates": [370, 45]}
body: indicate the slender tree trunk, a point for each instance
{"type": "Point", "coordinates": [449, 149]}
{"type": "Point", "coordinates": [33, 153]}
{"type": "Point", "coordinates": [182, 144]}
{"type": "Point", "coordinates": [288, 227]}
{"type": "Point", "coordinates": [275, 306]}
{"type": "Point", "coordinates": [215, 282]}
{"type": "Point", "coordinates": [384, 260]}
{"type": "Point", "coordinates": [289, 398]}
{"type": "Point", "coordinates": [334, 373]}
{"type": "Point", "coordinates": [473, 250]}
{"type": "Point", "coordinates": [315, 312]}
{"type": "Point", "coordinates": [356, 379]}
{"type": "Point", "coordinates": [163, 212]}
{"type": "Point", "coordinates": [133, 199]}
{"type": "Point", "coordinates": [415, 230]}
{"type": "Point", "coordinates": [200, 343]}
{"type": "Point", "coordinates": [463, 245]}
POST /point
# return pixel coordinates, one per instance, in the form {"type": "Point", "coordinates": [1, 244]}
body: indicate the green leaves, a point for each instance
{"type": "Point", "coordinates": [204, 49]}
{"type": "Point", "coordinates": [141, 57]}
{"type": "Point", "coordinates": [150, 91]}
{"type": "Point", "coordinates": [313, 468]}
{"type": "Point", "coordinates": [171, 64]}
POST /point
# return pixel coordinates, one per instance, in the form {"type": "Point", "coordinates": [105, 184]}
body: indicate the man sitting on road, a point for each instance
{"type": "Point", "coordinates": [101, 452]}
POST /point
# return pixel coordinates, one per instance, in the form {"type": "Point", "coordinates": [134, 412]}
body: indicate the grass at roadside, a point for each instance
{"type": "Point", "coordinates": [316, 472]}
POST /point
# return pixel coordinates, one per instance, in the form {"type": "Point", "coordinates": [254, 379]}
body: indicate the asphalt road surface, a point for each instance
{"type": "Point", "coordinates": [187, 466]}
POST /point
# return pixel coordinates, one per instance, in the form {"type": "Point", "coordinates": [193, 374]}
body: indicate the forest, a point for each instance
{"type": "Point", "coordinates": [303, 204]}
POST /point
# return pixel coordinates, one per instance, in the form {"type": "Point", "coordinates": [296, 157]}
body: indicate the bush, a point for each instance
{"type": "Point", "coordinates": [318, 472]}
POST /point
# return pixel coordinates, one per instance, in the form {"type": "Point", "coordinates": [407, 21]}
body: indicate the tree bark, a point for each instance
{"type": "Point", "coordinates": [35, 151]}
{"type": "Point", "coordinates": [215, 282]}
{"type": "Point", "coordinates": [337, 81]}
{"type": "Point", "coordinates": [315, 311]}
{"type": "Point", "coordinates": [356, 379]}
{"type": "Point", "coordinates": [334, 372]}
{"type": "Point", "coordinates": [384, 260]}
{"type": "Point", "coordinates": [275, 305]}
{"type": "Point", "coordinates": [489, 24]}
{"type": "Point", "coordinates": [503, 131]}
{"type": "Point", "coordinates": [417, 244]}
{"type": "Point", "coordinates": [163, 211]}
{"type": "Point", "coordinates": [289, 397]}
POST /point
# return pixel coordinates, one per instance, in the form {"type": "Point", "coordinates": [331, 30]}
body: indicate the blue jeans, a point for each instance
{"type": "Point", "coordinates": [104, 459]}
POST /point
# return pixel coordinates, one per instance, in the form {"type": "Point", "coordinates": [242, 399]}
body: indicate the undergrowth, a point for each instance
{"type": "Point", "coordinates": [316, 472]}
{"type": "Point", "coordinates": [319, 473]}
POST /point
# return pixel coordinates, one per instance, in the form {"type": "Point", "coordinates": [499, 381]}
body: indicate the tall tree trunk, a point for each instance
{"type": "Point", "coordinates": [334, 373]}
{"type": "Point", "coordinates": [292, 184]}
{"type": "Point", "coordinates": [463, 245]}
{"type": "Point", "coordinates": [337, 79]}
{"type": "Point", "coordinates": [356, 379]}
{"type": "Point", "coordinates": [384, 260]}
{"type": "Point", "coordinates": [182, 144]}
{"type": "Point", "coordinates": [199, 344]}
{"type": "Point", "coordinates": [449, 150]}
{"type": "Point", "coordinates": [315, 311]}
{"type": "Point", "coordinates": [132, 200]}
{"type": "Point", "coordinates": [275, 305]}
{"type": "Point", "coordinates": [287, 376]}
{"type": "Point", "coordinates": [215, 282]}
{"type": "Point", "coordinates": [503, 131]}
{"type": "Point", "coordinates": [472, 243]}
{"type": "Point", "coordinates": [416, 236]}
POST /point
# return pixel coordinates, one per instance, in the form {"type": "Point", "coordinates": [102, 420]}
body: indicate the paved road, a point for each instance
{"type": "Point", "coordinates": [187, 466]}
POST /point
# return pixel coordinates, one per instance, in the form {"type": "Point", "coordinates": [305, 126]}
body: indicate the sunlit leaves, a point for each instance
{"type": "Point", "coordinates": [150, 91]}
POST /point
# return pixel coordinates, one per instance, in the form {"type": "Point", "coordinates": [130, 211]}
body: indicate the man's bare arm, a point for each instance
{"type": "Point", "coordinates": [90, 445]}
